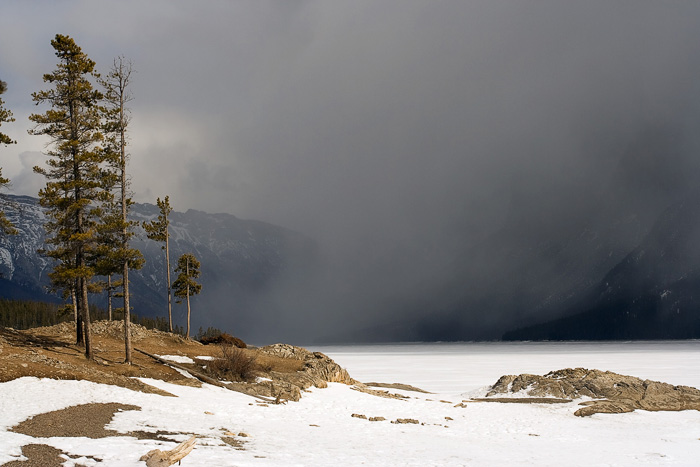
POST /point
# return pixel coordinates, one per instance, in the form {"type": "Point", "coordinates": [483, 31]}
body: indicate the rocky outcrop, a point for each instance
{"type": "Point", "coordinates": [375, 392]}
{"type": "Point", "coordinates": [318, 370]}
{"type": "Point", "coordinates": [403, 421]}
{"type": "Point", "coordinates": [112, 329]}
{"type": "Point", "coordinates": [617, 393]}
{"type": "Point", "coordinates": [401, 386]}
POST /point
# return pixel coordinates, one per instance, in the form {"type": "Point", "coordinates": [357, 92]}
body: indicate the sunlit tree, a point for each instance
{"type": "Point", "coordinates": [118, 256]}
{"type": "Point", "coordinates": [157, 230]}
{"type": "Point", "coordinates": [185, 284]}
{"type": "Point", "coordinates": [5, 117]}
{"type": "Point", "coordinates": [74, 190]}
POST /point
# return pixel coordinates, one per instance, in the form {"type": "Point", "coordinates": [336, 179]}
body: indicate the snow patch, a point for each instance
{"type": "Point", "coordinates": [176, 358]}
{"type": "Point", "coordinates": [6, 260]}
{"type": "Point", "coordinates": [320, 429]}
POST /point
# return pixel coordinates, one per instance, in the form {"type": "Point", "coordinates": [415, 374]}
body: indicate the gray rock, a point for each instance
{"type": "Point", "coordinates": [617, 393]}
{"type": "Point", "coordinates": [401, 421]}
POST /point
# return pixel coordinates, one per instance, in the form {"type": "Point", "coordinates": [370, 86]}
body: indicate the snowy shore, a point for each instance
{"type": "Point", "coordinates": [320, 429]}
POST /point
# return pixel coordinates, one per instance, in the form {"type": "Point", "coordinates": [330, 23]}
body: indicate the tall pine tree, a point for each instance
{"type": "Point", "coordinates": [74, 188]}
{"type": "Point", "coordinates": [118, 253]}
{"type": "Point", "coordinates": [157, 230]}
{"type": "Point", "coordinates": [5, 117]}
{"type": "Point", "coordinates": [185, 284]}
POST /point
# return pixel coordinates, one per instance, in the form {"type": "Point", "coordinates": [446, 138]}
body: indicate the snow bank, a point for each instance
{"type": "Point", "coordinates": [320, 429]}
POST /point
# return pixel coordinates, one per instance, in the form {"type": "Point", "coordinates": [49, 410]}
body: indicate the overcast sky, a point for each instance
{"type": "Point", "coordinates": [375, 127]}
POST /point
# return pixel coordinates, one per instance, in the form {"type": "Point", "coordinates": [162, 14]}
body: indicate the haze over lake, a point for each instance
{"type": "Point", "coordinates": [465, 367]}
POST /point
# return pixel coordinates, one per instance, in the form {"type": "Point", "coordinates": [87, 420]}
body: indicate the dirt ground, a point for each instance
{"type": "Point", "coordinates": [51, 352]}
{"type": "Point", "coordinates": [39, 455]}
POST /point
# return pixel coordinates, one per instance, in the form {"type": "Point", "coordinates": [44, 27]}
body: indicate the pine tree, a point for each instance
{"type": "Point", "coordinates": [74, 188]}
{"type": "Point", "coordinates": [5, 117]}
{"type": "Point", "coordinates": [185, 284]}
{"type": "Point", "coordinates": [157, 230]}
{"type": "Point", "coordinates": [118, 254]}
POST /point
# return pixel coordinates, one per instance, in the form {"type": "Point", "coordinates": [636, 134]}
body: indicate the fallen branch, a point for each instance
{"type": "Point", "coordinates": [202, 377]}
{"type": "Point", "coordinates": [158, 458]}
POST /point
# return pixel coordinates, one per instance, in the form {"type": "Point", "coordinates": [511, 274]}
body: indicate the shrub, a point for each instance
{"type": "Point", "coordinates": [223, 339]}
{"type": "Point", "coordinates": [234, 364]}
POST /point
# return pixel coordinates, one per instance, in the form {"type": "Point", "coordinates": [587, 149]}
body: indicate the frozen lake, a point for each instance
{"type": "Point", "coordinates": [324, 429]}
{"type": "Point", "coordinates": [455, 368]}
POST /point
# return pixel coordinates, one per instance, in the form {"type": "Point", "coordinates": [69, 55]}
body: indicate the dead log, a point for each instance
{"type": "Point", "coordinates": [202, 377]}
{"type": "Point", "coordinates": [158, 458]}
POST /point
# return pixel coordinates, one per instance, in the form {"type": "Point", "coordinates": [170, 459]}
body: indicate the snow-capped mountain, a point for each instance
{"type": "Point", "coordinates": [240, 259]}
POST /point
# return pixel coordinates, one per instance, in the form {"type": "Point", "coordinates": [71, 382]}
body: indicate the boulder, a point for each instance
{"type": "Point", "coordinates": [318, 370]}
{"type": "Point", "coordinates": [617, 393]}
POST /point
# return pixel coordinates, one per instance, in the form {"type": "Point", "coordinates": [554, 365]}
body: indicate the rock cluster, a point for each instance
{"type": "Point", "coordinates": [616, 393]}
{"type": "Point", "coordinates": [402, 421]}
{"type": "Point", "coordinates": [107, 328]}
{"type": "Point", "coordinates": [318, 367]}
{"type": "Point", "coordinates": [318, 370]}
{"type": "Point", "coordinates": [375, 392]}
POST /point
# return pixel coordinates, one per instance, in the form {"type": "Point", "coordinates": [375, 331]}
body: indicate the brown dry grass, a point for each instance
{"type": "Point", "coordinates": [278, 364]}
{"type": "Point", "coordinates": [51, 352]}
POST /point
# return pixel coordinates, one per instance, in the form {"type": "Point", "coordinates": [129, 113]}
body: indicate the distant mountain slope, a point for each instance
{"type": "Point", "coordinates": [653, 293]}
{"type": "Point", "coordinates": [241, 260]}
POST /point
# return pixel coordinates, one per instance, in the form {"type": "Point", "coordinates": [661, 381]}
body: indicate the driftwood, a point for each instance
{"type": "Point", "coordinates": [202, 377]}
{"type": "Point", "coordinates": [158, 458]}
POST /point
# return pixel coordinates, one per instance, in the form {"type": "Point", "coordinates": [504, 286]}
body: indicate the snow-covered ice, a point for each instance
{"type": "Point", "coordinates": [320, 430]}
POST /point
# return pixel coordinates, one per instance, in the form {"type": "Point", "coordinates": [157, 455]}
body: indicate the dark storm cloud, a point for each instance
{"type": "Point", "coordinates": [400, 137]}
{"type": "Point", "coordinates": [397, 133]}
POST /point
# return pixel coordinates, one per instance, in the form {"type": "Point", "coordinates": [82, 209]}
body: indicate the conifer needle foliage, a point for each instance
{"type": "Point", "coordinates": [5, 117]}
{"type": "Point", "coordinates": [117, 257]}
{"type": "Point", "coordinates": [157, 230]}
{"type": "Point", "coordinates": [185, 284]}
{"type": "Point", "coordinates": [76, 186]}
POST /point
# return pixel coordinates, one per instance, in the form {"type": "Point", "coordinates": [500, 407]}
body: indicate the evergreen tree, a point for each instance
{"type": "Point", "coordinates": [74, 188]}
{"type": "Point", "coordinates": [118, 254]}
{"type": "Point", "coordinates": [5, 117]}
{"type": "Point", "coordinates": [157, 230]}
{"type": "Point", "coordinates": [185, 284]}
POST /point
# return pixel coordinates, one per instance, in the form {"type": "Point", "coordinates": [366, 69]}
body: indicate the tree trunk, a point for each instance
{"type": "Point", "coordinates": [167, 265]}
{"type": "Point", "coordinates": [125, 231]}
{"type": "Point", "coordinates": [187, 272]}
{"type": "Point", "coordinates": [127, 315]}
{"type": "Point", "coordinates": [109, 297]}
{"type": "Point", "coordinates": [85, 311]}
{"type": "Point", "coordinates": [77, 319]}
{"type": "Point", "coordinates": [188, 314]}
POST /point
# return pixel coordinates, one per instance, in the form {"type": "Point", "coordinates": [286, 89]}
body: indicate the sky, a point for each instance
{"type": "Point", "coordinates": [398, 134]}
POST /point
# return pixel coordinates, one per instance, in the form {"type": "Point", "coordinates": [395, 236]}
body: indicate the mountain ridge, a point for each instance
{"type": "Point", "coordinates": [241, 259]}
{"type": "Point", "coordinates": [652, 293]}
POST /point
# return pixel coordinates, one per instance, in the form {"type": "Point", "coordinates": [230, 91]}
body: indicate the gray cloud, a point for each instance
{"type": "Point", "coordinates": [399, 134]}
